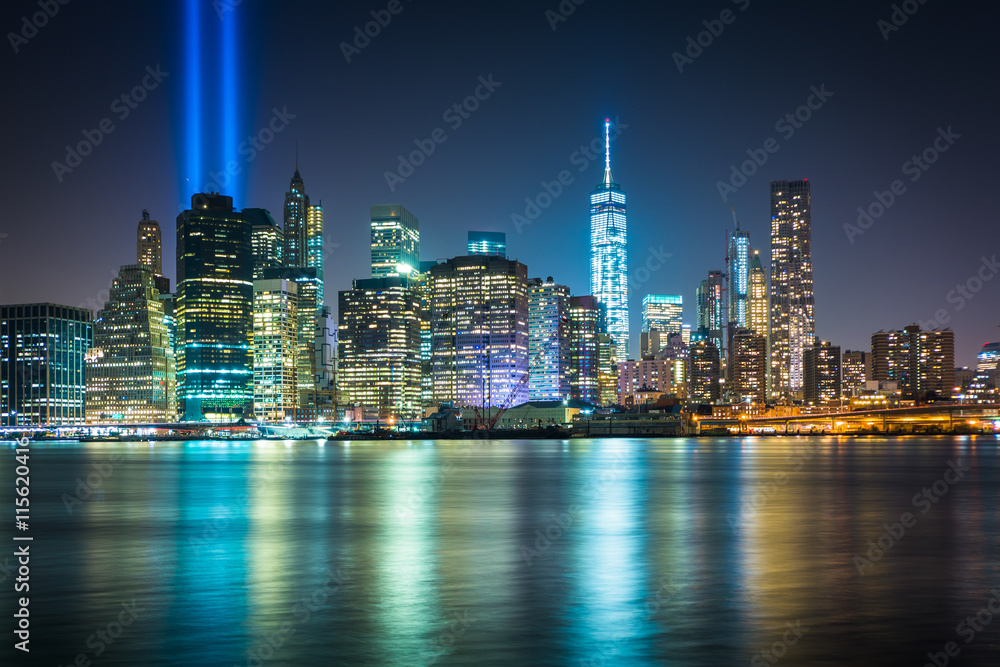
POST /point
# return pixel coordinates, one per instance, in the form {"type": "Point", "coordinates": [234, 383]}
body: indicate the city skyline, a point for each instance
{"type": "Point", "coordinates": [691, 128]}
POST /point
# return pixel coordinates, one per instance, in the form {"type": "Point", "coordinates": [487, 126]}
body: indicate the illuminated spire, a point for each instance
{"type": "Point", "coordinates": [297, 158]}
{"type": "Point", "coordinates": [607, 151]}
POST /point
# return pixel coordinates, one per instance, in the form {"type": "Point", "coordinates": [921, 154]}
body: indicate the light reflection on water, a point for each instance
{"type": "Point", "coordinates": [630, 552]}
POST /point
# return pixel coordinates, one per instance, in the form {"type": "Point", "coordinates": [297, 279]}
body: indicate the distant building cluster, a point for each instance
{"type": "Point", "coordinates": [246, 334]}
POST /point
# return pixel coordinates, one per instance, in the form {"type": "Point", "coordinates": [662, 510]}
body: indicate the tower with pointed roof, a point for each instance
{"type": "Point", "coordinates": [609, 252]}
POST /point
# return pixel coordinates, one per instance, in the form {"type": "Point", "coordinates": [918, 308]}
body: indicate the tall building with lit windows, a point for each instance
{"type": "Point", "coordinates": [586, 325]}
{"type": "Point", "coordinates": [42, 364]}
{"type": "Point", "coordinates": [663, 313]}
{"type": "Point", "coordinates": [309, 287]}
{"type": "Point", "coordinates": [488, 243]}
{"type": "Point", "coordinates": [295, 227]}
{"type": "Point", "coordinates": [609, 252]}
{"type": "Point", "coordinates": [793, 326]}
{"type": "Point", "coordinates": [149, 250]}
{"type": "Point", "coordinates": [548, 341]}
{"type": "Point", "coordinates": [479, 331]}
{"type": "Point", "coordinates": [275, 348]}
{"type": "Point", "coordinates": [314, 248]}
{"type": "Point", "coordinates": [379, 349]}
{"type": "Point", "coordinates": [395, 239]}
{"type": "Point", "coordinates": [131, 366]}
{"type": "Point", "coordinates": [705, 369]}
{"type": "Point", "coordinates": [748, 367]}
{"type": "Point", "coordinates": [267, 240]}
{"type": "Point", "coordinates": [757, 301]}
{"type": "Point", "coordinates": [920, 361]}
{"type": "Point", "coordinates": [738, 260]}
{"type": "Point", "coordinates": [821, 373]}
{"type": "Point", "coordinates": [711, 308]}
{"type": "Point", "coordinates": [214, 310]}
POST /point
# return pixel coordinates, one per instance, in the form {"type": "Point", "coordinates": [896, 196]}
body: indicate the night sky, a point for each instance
{"type": "Point", "coordinates": [61, 241]}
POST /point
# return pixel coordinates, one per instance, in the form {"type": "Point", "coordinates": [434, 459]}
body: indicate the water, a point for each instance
{"type": "Point", "coordinates": [616, 552]}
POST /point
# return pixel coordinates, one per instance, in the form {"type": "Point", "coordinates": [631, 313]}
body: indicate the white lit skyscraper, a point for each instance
{"type": "Point", "coordinates": [609, 253]}
{"type": "Point", "coordinates": [738, 270]}
{"type": "Point", "coordinates": [662, 312]}
{"type": "Point", "coordinates": [548, 341]}
{"type": "Point", "coordinates": [793, 327]}
{"type": "Point", "coordinates": [395, 240]}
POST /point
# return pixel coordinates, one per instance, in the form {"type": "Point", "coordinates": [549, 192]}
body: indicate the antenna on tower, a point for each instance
{"type": "Point", "coordinates": [607, 151]}
{"type": "Point", "coordinates": [297, 155]}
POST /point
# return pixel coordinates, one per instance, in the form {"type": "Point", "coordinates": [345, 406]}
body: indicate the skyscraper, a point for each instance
{"type": "Point", "coordinates": [148, 248]}
{"type": "Point", "coordinates": [757, 303]}
{"type": "Point", "coordinates": [214, 310]}
{"type": "Point", "coordinates": [42, 366]}
{"type": "Point", "coordinates": [295, 228]}
{"type": "Point", "coordinates": [309, 288]}
{"type": "Point", "coordinates": [821, 373]}
{"type": "Point", "coordinates": [131, 366]}
{"type": "Point", "coordinates": [395, 239]}
{"type": "Point", "coordinates": [856, 370]}
{"type": "Point", "coordinates": [705, 369]}
{"type": "Point", "coordinates": [587, 323]}
{"type": "Point", "coordinates": [793, 327]}
{"type": "Point", "coordinates": [267, 240]}
{"type": "Point", "coordinates": [479, 331]}
{"type": "Point", "coordinates": [738, 260]}
{"type": "Point", "coordinates": [548, 341]}
{"type": "Point", "coordinates": [488, 243]}
{"type": "Point", "coordinates": [379, 348]}
{"type": "Point", "coordinates": [609, 252]}
{"type": "Point", "coordinates": [149, 251]}
{"type": "Point", "coordinates": [314, 249]}
{"type": "Point", "coordinates": [748, 366]}
{"type": "Point", "coordinates": [275, 348]}
{"type": "Point", "coordinates": [662, 312]}
{"type": "Point", "coordinates": [921, 361]}
{"type": "Point", "coordinates": [711, 309]}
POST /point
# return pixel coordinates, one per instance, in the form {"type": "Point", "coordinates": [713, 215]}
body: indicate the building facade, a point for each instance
{"type": "Point", "coordinates": [856, 370]}
{"type": "Point", "coordinates": [295, 211]}
{"type": "Point", "coordinates": [822, 373]}
{"type": "Point", "coordinates": [267, 241]}
{"type": "Point", "coordinates": [488, 243]}
{"type": "Point", "coordinates": [275, 349]}
{"type": "Point", "coordinates": [548, 341]}
{"type": "Point", "coordinates": [131, 365]}
{"type": "Point", "coordinates": [214, 311]}
{"type": "Point", "coordinates": [479, 331]}
{"type": "Point", "coordinates": [648, 374]}
{"type": "Point", "coordinates": [738, 260]}
{"type": "Point", "coordinates": [586, 324]}
{"type": "Point", "coordinates": [748, 367]}
{"type": "Point", "coordinates": [920, 361]}
{"type": "Point", "coordinates": [378, 342]}
{"type": "Point", "coordinates": [711, 308]}
{"type": "Point", "coordinates": [609, 252]}
{"type": "Point", "coordinates": [793, 326]}
{"type": "Point", "coordinates": [705, 369]}
{"type": "Point", "coordinates": [42, 364]}
{"type": "Point", "coordinates": [663, 313]}
{"type": "Point", "coordinates": [395, 234]}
